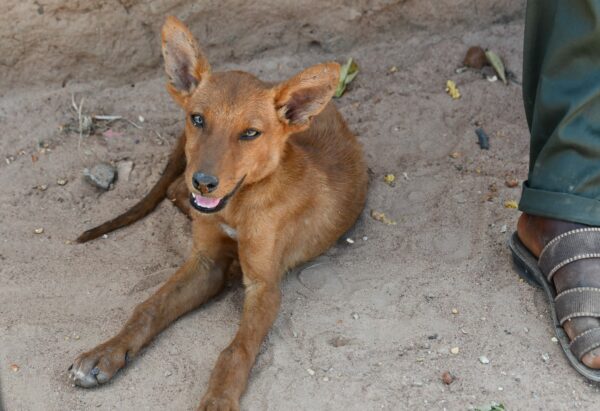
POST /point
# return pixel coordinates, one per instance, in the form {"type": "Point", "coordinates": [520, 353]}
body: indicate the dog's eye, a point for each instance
{"type": "Point", "coordinates": [197, 120]}
{"type": "Point", "coordinates": [250, 134]}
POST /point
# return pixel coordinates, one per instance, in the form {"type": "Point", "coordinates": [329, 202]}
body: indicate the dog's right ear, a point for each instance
{"type": "Point", "coordinates": [185, 64]}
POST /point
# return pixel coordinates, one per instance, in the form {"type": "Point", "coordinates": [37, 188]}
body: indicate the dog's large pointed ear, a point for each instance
{"type": "Point", "coordinates": [185, 64]}
{"type": "Point", "coordinates": [306, 94]}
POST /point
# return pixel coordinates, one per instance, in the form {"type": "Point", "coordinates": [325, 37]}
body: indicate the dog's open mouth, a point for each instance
{"type": "Point", "coordinates": [205, 204]}
{"type": "Point", "coordinates": [212, 204]}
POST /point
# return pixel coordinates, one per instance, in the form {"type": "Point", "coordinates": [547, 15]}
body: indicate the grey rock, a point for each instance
{"type": "Point", "coordinates": [101, 175]}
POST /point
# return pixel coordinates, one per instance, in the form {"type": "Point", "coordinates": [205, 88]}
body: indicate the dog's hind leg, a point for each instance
{"type": "Point", "coordinates": [179, 194]}
{"type": "Point", "coordinates": [199, 279]}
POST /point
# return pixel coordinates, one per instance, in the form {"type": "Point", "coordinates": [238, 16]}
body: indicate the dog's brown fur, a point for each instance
{"type": "Point", "coordinates": [297, 187]}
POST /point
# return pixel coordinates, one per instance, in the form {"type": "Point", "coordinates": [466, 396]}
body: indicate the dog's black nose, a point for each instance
{"type": "Point", "coordinates": [206, 181]}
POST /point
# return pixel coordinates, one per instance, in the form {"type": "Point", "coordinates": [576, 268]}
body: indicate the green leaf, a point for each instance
{"type": "Point", "coordinates": [496, 63]}
{"type": "Point", "coordinates": [348, 72]}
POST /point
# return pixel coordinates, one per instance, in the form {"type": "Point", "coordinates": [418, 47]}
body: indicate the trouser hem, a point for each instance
{"type": "Point", "coordinates": [560, 206]}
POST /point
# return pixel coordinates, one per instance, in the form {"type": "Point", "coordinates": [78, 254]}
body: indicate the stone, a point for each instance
{"type": "Point", "coordinates": [101, 175]}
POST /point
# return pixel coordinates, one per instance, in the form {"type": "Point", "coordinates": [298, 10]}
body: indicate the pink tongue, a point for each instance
{"type": "Point", "coordinates": [206, 202]}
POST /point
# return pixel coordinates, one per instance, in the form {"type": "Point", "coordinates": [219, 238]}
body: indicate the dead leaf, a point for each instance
{"type": "Point", "coordinates": [390, 179]}
{"type": "Point", "coordinates": [496, 62]}
{"type": "Point", "coordinates": [381, 217]}
{"type": "Point", "coordinates": [452, 90]}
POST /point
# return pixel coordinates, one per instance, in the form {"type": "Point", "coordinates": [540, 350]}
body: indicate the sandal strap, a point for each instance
{"type": "Point", "coordinates": [568, 247]}
{"type": "Point", "coordinates": [577, 302]}
{"type": "Point", "coordinates": [585, 342]}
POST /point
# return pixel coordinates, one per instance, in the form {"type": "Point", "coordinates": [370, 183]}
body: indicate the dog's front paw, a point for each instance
{"type": "Point", "coordinates": [218, 402]}
{"type": "Point", "coordinates": [98, 365]}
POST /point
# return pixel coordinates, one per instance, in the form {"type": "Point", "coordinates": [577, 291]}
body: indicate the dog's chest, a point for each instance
{"type": "Point", "coordinates": [230, 231]}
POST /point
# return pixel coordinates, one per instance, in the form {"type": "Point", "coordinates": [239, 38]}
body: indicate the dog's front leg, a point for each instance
{"type": "Point", "coordinates": [199, 279]}
{"type": "Point", "coordinates": [263, 297]}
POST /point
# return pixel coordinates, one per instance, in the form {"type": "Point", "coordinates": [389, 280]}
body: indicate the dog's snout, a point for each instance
{"type": "Point", "coordinates": [205, 181]}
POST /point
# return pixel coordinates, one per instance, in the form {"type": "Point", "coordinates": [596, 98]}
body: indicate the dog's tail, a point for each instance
{"type": "Point", "coordinates": [146, 205]}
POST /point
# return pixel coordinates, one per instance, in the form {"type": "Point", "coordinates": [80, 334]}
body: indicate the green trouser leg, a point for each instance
{"type": "Point", "coordinates": [561, 91]}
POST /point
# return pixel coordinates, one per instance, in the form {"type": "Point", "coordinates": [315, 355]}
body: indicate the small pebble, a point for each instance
{"type": "Point", "coordinates": [61, 181]}
{"type": "Point", "coordinates": [365, 238]}
{"type": "Point", "coordinates": [455, 311]}
{"type": "Point", "coordinates": [42, 187]}
{"type": "Point", "coordinates": [124, 169]}
{"type": "Point", "coordinates": [500, 389]}
{"type": "Point", "coordinates": [349, 241]}
{"type": "Point", "coordinates": [14, 367]}
{"type": "Point", "coordinates": [141, 119]}
{"type": "Point", "coordinates": [310, 371]}
{"type": "Point", "coordinates": [511, 182]}
{"type": "Point", "coordinates": [105, 236]}
{"type": "Point", "coordinates": [447, 378]}
{"type": "Point", "coordinates": [484, 360]}
{"type": "Point", "coordinates": [77, 337]}
{"type": "Point", "coordinates": [38, 230]}
{"type": "Point", "coordinates": [417, 383]}
{"type": "Point", "coordinates": [325, 379]}
{"type": "Point", "coordinates": [454, 350]}
{"type": "Point", "coordinates": [455, 155]}
{"type": "Point", "coordinates": [483, 140]}
{"type": "Point", "coordinates": [526, 329]}
{"type": "Point", "coordinates": [545, 357]}
{"type": "Point", "coordinates": [554, 340]}
{"type": "Point", "coordinates": [355, 315]}
{"type": "Point", "coordinates": [168, 374]}
{"type": "Point", "coordinates": [339, 341]}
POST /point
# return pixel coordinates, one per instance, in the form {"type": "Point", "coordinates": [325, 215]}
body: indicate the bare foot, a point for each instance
{"type": "Point", "coordinates": [535, 232]}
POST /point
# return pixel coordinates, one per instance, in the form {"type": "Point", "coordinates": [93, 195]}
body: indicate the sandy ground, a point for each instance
{"type": "Point", "coordinates": [374, 322]}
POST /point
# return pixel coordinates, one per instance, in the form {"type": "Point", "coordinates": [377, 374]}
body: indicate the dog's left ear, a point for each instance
{"type": "Point", "coordinates": [306, 94]}
{"type": "Point", "coordinates": [185, 64]}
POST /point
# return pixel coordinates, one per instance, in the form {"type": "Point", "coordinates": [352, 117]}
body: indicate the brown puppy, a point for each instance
{"type": "Point", "coordinates": [270, 176]}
